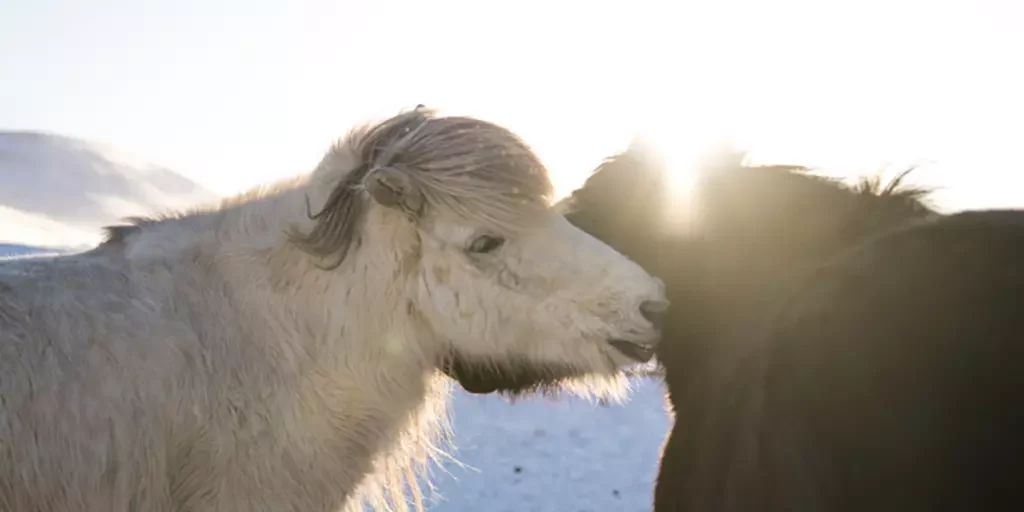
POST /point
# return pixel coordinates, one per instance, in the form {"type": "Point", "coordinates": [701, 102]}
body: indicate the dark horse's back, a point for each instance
{"type": "Point", "coordinates": [893, 379]}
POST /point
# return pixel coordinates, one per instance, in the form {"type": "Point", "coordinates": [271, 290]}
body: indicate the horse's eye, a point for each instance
{"type": "Point", "coordinates": [485, 244]}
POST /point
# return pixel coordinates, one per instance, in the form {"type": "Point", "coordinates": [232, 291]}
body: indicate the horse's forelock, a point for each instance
{"type": "Point", "coordinates": [472, 168]}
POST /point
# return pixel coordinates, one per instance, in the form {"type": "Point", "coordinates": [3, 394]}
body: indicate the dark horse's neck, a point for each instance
{"type": "Point", "coordinates": [724, 299]}
{"type": "Point", "coordinates": [721, 303]}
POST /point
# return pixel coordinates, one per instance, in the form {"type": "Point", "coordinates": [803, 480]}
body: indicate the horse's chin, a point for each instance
{"type": "Point", "coordinates": [510, 377]}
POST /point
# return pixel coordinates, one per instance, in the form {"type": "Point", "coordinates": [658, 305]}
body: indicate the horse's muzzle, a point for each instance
{"type": "Point", "coordinates": [655, 312]}
{"type": "Point", "coordinates": [640, 352]}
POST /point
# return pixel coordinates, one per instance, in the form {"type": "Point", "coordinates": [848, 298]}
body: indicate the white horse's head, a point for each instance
{"type": "Point", "coordinates": [492, 270]}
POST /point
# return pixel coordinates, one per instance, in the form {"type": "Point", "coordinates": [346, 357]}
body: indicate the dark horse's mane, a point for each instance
{"type": "Point", "coordinates": [831, 347]}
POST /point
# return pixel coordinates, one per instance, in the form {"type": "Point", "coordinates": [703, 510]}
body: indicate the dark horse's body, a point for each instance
{"type": "Point", "coordinates": [829, 348]}
{"type": "Point", "coordinates": [889, 378]}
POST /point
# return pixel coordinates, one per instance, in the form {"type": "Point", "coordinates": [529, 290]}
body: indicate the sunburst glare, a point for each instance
{"type": "Point", "coordinates": [681, 146]}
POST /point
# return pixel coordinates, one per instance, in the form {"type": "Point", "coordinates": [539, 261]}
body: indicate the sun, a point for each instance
{"type": "Point", "coordinates": [681, 146]}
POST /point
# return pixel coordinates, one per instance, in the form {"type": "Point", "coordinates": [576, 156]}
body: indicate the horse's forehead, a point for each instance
{"type": "Point", "coordinates": [452, 225]}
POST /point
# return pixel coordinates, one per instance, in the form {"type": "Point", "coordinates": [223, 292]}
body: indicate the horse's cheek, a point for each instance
{"type": "Point", "coordinates": [535, 277]}
{"type": "Point", "coordinates": [446, 306]}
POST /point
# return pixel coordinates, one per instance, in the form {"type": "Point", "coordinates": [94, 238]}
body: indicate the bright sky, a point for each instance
{"type": "Point", "coordinates": [235, 92]}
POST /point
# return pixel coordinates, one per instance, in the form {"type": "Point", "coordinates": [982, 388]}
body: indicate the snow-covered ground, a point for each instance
{"type": "Point", "coordinates": [540, 455]}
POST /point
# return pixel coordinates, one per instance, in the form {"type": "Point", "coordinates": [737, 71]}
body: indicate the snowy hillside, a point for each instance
{"type": "Point", "coordinates": [17, 250]}
{"type": "Point", "coordinates": [56, 190]}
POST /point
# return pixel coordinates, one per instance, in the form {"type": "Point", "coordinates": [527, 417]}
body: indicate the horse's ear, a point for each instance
{"type": "Point", "coordinates": [394, 188]}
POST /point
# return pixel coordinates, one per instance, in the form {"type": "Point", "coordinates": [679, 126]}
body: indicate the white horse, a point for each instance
{"type": "Point", "coordinates": [260, 357]}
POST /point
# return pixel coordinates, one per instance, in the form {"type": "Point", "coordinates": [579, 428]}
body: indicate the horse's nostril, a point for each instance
{"type": "Point", "coordinates": [654, 311]}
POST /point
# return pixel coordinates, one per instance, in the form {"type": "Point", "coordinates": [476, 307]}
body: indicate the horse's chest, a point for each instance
{"type": "Point", "coordinates": [303, 450]}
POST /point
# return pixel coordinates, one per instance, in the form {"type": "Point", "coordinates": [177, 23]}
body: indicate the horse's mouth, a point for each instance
{"type": "Point", "coordinates": [639, 352]}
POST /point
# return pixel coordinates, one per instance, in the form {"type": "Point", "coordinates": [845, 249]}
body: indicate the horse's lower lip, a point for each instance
{"type": "Point", "coordinates": [632, 350]}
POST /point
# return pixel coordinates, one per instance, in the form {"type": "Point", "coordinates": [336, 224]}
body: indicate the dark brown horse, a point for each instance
{"type": "Point", "coordinates": [829, 347]}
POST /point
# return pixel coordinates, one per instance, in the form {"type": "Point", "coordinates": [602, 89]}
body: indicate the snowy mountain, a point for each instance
{"type": "Point", "coordinates": [15, 250]}
{"type": "Point", "coordinates": [59, 191]}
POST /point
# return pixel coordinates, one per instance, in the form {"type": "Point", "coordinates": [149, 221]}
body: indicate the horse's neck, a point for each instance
{"type": "Point", "coordinates": [353, 316]}
{"type": "Point", "coordinates": [725, 307]}
{"type": "Point", "coordinates": [265, 216]}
